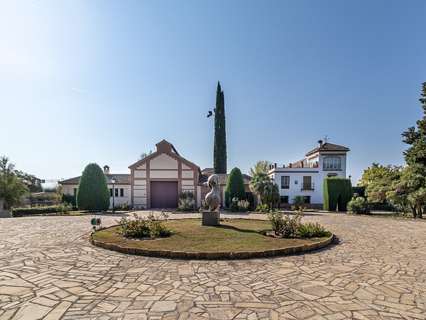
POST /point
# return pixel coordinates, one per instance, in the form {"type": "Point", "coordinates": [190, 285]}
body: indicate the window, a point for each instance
{"type": "Point", "coordinates": [332, 163]}
{"type": "Point", "coordinates": [307, 199]}
{"type": "Point", "coordinates": [284, 199]}
{"type": "Point", "coordinates": [307, 183]}
{"type": "Point", "coordinates": [121, 192]}
{"type": "Point", "coordinates": [285, 182]}
{"type": "Point", "coordinates": [110, 192]}
{"type": "Point", "coordinates": [116, 192]}
{"type": "Point", "coordinates": [75, 192]}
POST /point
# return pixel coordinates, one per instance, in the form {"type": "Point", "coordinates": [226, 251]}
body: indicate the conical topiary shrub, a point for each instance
{"type": "Point", "coordinates": [93, 193]}
{"type": "Point", "coordinates": [234, 187]}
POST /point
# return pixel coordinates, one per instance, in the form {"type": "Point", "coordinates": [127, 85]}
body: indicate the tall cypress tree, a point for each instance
{"type": "Point", "coordinates": [219, 133]}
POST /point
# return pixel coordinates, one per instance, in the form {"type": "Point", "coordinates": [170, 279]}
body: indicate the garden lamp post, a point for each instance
{"type": "Point", "coordinates": [113, 194]}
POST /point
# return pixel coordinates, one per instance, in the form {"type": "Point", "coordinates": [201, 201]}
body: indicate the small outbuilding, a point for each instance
{"type": "Point", "coordinates": [158, 179]}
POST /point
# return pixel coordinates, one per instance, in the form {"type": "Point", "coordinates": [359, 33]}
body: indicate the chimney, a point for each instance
{"type": "Point", "coordinates": [320, 142]}
{"type": "Point", "coordinates": [106, 169]}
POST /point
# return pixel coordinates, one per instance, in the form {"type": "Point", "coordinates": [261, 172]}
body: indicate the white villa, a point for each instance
{"type": "Point", "coordinates": [305, 177]}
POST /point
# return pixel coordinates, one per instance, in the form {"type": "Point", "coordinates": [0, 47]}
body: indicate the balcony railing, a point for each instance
{"type": "Point", "coordinates": [308, 187]}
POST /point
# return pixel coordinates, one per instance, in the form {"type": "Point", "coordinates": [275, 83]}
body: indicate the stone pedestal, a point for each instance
{"type": "Point", "coordinates": [210, 218]}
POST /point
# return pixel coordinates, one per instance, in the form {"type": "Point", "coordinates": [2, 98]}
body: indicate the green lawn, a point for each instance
{"type": "Point", "coordinates": [188, 235]}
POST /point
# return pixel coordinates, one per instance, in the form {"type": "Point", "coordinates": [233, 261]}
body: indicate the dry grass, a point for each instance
{"type": "Point", "coordinates": [188, 235]}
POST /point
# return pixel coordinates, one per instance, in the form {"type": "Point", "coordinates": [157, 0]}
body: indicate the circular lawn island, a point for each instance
{"type": "Point", "coordinates": [232, 239]}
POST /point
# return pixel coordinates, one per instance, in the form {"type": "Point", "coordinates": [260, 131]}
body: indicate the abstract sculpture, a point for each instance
{"type": "Point", "coordinates": [212, 199]}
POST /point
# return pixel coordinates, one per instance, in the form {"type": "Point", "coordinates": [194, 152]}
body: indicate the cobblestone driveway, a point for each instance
{"type": "Point", "coordinates": [48, 270]}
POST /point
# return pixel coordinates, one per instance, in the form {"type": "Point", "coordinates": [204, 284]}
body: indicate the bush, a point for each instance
{"type": "Point", "coordinates": [387, 206]}
{"type": "Point", "coordinates": [69, 199]}
{"type": "Point", "coordinates": [92, 192]}
{"type": "Point", "coordinates": [359, 191]}
{"type": "Point", "coordinates": [284, 225]}
{"type": "Point", "coordinates": [287, 226]}
{"type": "Point", "coordinates": [186, 201]}
{"type": "Point", "coordinates": [234, 187]}
{"type": "Point", "coordinates": [312, 230]}
{"type": "Point", "coordinates": [20, 212]}
{"type": "Point", "coordinates": [122, 207]}
{"type": "Point", "coordinates": [250, 199]}
{"type": "Point", "coordinates": [139, 228]}
{"type": "Point", "coordinates": [239, 205]}
{"type": "Point", "coordinates": [262, 208]}
{"type": "Point", "coordinates": [337, 193]}
{"type": "Point", "coordinates": [358, 205]}
{"type": "Point", "coordinates": [298, 203]}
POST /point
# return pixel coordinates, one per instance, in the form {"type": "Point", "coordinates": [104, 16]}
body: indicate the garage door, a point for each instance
{"type": "Point", "coordinates": [164, 194]}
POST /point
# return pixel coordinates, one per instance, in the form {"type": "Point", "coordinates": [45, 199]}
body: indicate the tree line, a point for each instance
{"type": "Point", "coordinates": [402, 187]}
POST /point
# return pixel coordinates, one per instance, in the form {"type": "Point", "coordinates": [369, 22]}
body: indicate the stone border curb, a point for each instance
{"type": "Point", "coordinates": [212, 255]}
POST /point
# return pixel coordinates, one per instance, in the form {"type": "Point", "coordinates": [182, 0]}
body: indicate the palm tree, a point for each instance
{"type": "Point", "coordinates": [263, 186]}
{"type": "Point", "coordinates": [261, 166]}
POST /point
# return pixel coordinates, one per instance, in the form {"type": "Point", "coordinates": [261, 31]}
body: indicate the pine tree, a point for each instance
{"type": "Point", "coordinates": [416, 137]}
{"type": "Point", "coordinates": [415, 156]}
{"type": "Point", "coordinates": [219, 155]}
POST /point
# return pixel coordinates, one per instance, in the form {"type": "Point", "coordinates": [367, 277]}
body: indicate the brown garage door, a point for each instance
{"type": "Point", "coordinates": [164, 194]}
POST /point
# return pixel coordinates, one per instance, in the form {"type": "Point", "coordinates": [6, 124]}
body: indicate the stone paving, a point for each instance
{"type": "Point", "coordinates": [48, 270]}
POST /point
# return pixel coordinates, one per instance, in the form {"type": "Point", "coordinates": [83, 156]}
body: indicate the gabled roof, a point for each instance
{"type": "Point", "coordinates": [167, 148]}
{"type": "Point", "coordinates": [328, 147]}
{"type": "Point", "coordinates": [119, 178]}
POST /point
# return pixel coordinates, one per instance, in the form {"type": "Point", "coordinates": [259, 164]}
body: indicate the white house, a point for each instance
{"type": "Point", "coordinates": [305, 177]}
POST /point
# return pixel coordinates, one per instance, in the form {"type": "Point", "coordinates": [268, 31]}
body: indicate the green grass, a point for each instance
{"type": "Point", "coordinates": [188, 235]}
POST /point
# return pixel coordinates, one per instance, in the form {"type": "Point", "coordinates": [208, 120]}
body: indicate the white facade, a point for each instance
{"type": "Point", "coordinates": [305, 178]}
{"type": "Point", "coordinates": [122, 193]}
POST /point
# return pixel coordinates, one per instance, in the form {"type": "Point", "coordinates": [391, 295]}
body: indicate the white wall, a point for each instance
{"type": "Point", "coordinates": [296, 183]}
{"type": "Point", "coordinates": [318, 175]}
{"type": "Point", "coordinates": [69, 190]}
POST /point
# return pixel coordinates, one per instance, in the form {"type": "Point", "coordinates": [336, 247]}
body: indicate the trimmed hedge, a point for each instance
{"type": "Point", "coordinates": [337, 193]}
{"type": "Point", "coordinates": [234, 187]}
{"type": "Point", "coordinates": [92, 192]}
{"type": "Point", "coordinates": [20, 212]}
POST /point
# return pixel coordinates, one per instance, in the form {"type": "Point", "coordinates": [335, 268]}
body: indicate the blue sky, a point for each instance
{"type": "Point", "coordinates": [103, 81]}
